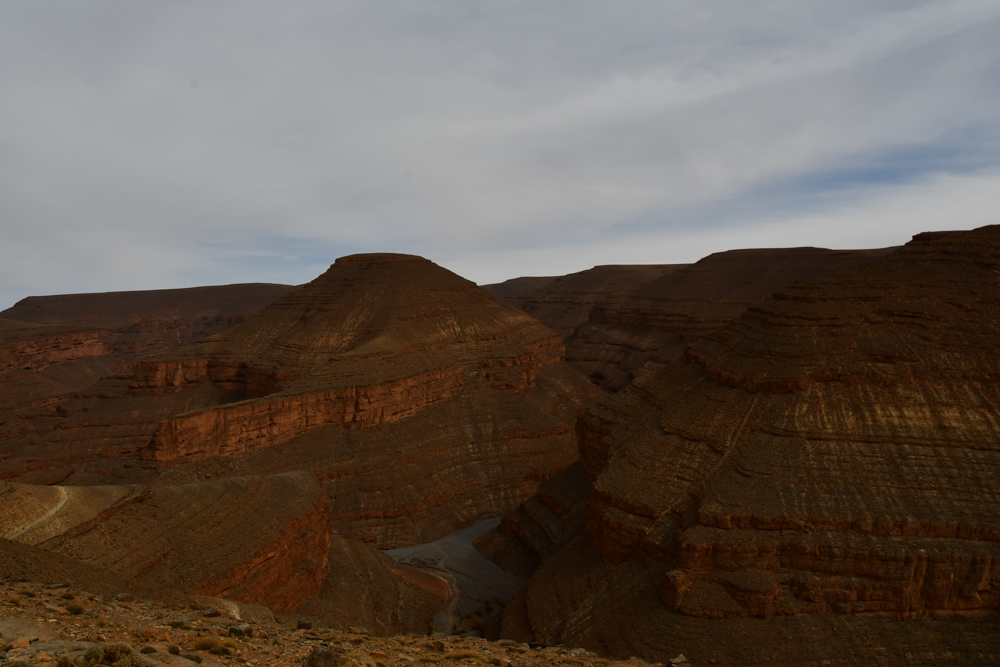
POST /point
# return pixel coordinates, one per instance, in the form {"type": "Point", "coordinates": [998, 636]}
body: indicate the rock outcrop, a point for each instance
{"type": "Point", "coordinates": [622, 322]}
{"type": "Point", "coordinates": [261, 541]}
{"type": "Point", "coordinates": [829, 461]}
{"type": "Point", "coordinates": [68, 626]}
{"type": "Point", "coordinates": [122, 326]}
{"type": "Point", "coordinates": [420, 401]}
{"type": "Point", "coordinates": [564, 303]}
{"type": "Point", "coordinates": [54, 347]}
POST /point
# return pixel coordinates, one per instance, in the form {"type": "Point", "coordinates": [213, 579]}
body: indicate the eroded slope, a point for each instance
{"type": "Point", "coordinates": [420, 402]}
{"type": "Point", "coordinates": [832, 456]}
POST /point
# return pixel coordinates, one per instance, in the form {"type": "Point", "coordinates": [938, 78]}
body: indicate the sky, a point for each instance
{"type": "Point", "coordinates": [148, 145]}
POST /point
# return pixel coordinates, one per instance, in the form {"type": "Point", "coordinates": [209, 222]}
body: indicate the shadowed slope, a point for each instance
{"type": "Point", "coordinates": [258, 540]}
{"type": "Point", "coordinates": [565, 302]}
{"type": "Point", "coordinates": [832, 452]}
{"type": "Point", "coordinates": [420, 401]}
{"type": "Point", "coordinates": [620, 322]}
{"type": "Point", "coordinates": [61, 345]}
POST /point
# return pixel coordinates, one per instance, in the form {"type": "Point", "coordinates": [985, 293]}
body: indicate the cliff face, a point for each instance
{"type": "Point", "coordinates": [387, 403]}
{"type": "Point", "coordinates": [375, 339]}
{"type": "Point", "coordinates": [53, 348]}
{"type": "Point", "coordinates": [622, 322]}
{"type": "Point", "coordinates": [256, 540]}
{"type": "Point", "coordinates": [120, 327]}
{"type": "Point", "coordinates": [420, 400]}
{"type": "Point", "coordinates": [34, 349]}
{"type": "Point", "coordinates": [834, 451]}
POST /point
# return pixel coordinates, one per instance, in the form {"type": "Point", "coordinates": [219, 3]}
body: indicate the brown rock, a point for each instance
{"type": "Point", "coordinates": [324, 657]}
{"type": "Point", "coordinates": [423, 360]}
{"type": "Point", "coordinates": [620, 322]}
{"type": "Point", "coordinates": [801, 465]}
{"type": "Point", "coordinates": [53, 347]}
{"type": "Point", "coordinates": [460, 404]}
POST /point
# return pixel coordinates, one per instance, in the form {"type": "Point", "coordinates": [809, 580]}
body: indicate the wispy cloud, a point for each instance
{"type": "Point", "coordinates": [150, 145]}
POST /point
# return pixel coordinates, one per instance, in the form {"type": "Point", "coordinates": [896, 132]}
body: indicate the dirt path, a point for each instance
{"type": "Point", "coordinates": [25, 527]}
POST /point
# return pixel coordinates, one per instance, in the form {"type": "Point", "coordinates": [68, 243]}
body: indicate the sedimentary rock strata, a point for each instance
{"type": "Point", "coordinates": [263, 541]}
{"type": "Point", "coordinates": [420, 401]}
{"type": "Point", "coordinates": [375, 339]}
{"type": "Point", "coordinates": [833, 452]}
{"type": "Point", "coordinates": [122, 326]}
{"type": "Point", "coordinates": [564, 303]}
{"type": "Point", "coordinates": [52, 348]}
{"type": "Point", "coordinates": [622, 322]}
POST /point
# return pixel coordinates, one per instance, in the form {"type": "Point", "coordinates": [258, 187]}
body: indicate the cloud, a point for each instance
{"type": "Point", "coordinates": [149, 145]}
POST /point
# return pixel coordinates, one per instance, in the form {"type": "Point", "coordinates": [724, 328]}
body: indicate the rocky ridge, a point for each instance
{"type": "Point", "coordinates": [385, 404]}
{"type": "Point", "coordinates": [258, 541]}
{"type": "Point", "coordinates": [622, 322]}
{"type": "Point", "coordinates": [826, 463]}
{"type": "Point", "coordinates": [55, 347]}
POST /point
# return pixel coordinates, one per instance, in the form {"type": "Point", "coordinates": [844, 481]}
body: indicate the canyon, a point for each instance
{"type": "Point", "coordinates": [825, 469]}
{"type": "Point", "coordinates": [620, 322]}
{"type": "Point", "coordinates": [768, 452]}
{"type": "Point", "coordinates": [387, 403]}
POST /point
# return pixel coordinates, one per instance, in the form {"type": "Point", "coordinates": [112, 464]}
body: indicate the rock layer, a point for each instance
{"type": "Point", "coordinates": [622, 322]}
{"type": "Point", "coordinates": [564, 303]}
{"type": "Point", "coordinates": [375, 339]}
{"type": "Point", "coordinates": [52, 348]}
{"type": "Point", "coordinates": [421, 403]}
{"type": "Point", "coordinates": [260, 541]}
{"type": "Point", "coordinates": [834, 451]}
{"type": "Point", "coordinates": [123, 326]}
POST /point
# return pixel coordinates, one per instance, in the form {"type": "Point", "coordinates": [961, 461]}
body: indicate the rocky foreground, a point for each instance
{"type": "Point", "coordinates": [64, 625]}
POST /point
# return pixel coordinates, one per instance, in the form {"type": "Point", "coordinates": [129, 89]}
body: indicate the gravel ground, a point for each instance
{"type": "Point", "coordinates": [59, 623]}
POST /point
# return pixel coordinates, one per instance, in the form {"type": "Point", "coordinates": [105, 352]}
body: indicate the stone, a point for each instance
{"type": "Point", "coordinates": [621, 322]}
{"type": "Point", "coordinates": [796, 472]}
{"type": "Point", "coordinates": [55, 346]}
{"type": "Point", "coordinates": [241, 630]}
{"type": "Point", "coordinates": [386, 354]}
{"type": "Point", "coordinates": [324, 657]}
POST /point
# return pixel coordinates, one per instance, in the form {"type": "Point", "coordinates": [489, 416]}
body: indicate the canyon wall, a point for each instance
{"type": "Point", "coordinates": [421, 400]}
{"type": "Point", "coordinates": [55, 350]}
{"type": "Point", "coordinates": [622, 322]}
{"type": "Point", "coordinates": [255, 540]}
{"type": "Point", "coordinates": [830, 456]}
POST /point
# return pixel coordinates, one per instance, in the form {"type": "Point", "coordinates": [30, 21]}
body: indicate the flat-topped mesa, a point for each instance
{"type": "Point", "coordinates": [836, 448]}
{"type": "Point", "coordinates": [105, 333]}
{"type": "Point", "coordinates": [375, 339]}
{"type": "Point", "coordinates": [621, 322]}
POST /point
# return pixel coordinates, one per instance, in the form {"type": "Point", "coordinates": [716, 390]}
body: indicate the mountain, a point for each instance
{"type": "Point", "coordinates": [53, 347]}
{"type": "Point", "coordinates": [823, 472]}
{"type": "Point", "coordinates": [387, 403]}
{"type": "Point", "coordinates": [620, 322]}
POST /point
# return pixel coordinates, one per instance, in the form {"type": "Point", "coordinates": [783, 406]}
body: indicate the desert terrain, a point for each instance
{"type": "Point", "coordinates": [769, 456]}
